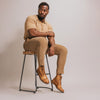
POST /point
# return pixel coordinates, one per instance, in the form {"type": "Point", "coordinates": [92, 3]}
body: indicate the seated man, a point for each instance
{"type": "Point", "coordinates": [39, 38]}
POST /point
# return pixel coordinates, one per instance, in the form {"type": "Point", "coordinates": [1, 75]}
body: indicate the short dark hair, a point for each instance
{"type": "Point", "coordinates": [43, 3]}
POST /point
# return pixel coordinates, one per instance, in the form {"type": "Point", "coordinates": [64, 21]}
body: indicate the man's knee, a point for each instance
{"type": "Point", "coordinates": [64, 50]}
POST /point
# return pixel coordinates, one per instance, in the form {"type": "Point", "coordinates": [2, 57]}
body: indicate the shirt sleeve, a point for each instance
{"type": "Point", "coordinates": [50, 27]}
{"type": "Point", "coordinates": [30, 23]}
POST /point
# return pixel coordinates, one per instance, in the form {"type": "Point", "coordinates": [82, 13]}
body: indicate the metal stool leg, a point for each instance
{"type": "Point", "coordinates": [37, 87]}
{"type": "Point", "coordinates": [22, 76]}
{"type": "Point", "coordinates": [49, 72]}
{"type": "Point", "coordinates": [22, 73]}
{"type": "Point", "coordinates": [35, 59]}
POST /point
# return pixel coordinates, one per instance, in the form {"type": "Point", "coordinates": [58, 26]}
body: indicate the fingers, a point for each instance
{"type": "Point", "coordinates": [51, 33]}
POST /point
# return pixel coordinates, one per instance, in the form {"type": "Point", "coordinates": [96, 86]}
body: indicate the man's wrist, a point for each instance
{"type": "Point", "coordinates": [52, 46]}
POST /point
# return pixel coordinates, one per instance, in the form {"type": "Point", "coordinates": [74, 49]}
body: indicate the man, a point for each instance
{"type": "Point", "coordinates": [39, 38]}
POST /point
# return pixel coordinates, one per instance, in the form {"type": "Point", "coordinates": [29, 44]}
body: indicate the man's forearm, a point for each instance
{"type": "Point", "coordinates": [51, 41]}
{"type": "Point", "coordinates": [35, 33]}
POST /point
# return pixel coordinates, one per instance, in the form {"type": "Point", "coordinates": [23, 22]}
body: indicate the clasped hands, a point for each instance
{"type": "Point", "coordinates": [50, 34]}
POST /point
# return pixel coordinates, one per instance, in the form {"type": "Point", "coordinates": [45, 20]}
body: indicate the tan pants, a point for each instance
{"type": "Point", "coordinates": [39, 46]}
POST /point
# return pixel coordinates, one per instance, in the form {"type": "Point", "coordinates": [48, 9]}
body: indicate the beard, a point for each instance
{"type": "Point", "coordinates": [41, 17]}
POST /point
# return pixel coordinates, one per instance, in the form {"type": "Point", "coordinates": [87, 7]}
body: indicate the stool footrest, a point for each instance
{"type": "Point", "coordinates": [35, 90]}
{"type": "Point", "coordinates": [43, 87]}
{"type": "Point", "coordinates": [27, 90]}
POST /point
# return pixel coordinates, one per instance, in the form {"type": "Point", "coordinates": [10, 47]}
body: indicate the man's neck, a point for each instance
{"type": "Point", "coordinates": [41, 19]}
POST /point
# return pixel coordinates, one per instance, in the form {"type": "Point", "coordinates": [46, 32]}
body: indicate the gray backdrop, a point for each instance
{"type": "Point", "coordinates": [76, 24]}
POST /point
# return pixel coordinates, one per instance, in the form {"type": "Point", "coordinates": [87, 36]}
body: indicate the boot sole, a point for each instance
{"type": "Point", "coordinates": [54, 83]}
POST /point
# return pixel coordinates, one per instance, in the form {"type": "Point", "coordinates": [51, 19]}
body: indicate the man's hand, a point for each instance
{"type": "Point", "coordinates": [50, 33]}
{"type": "Point", "coordinates": [51, 51]}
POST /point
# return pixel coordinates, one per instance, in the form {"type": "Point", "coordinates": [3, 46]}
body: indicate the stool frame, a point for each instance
{"type": "Point", "coordinates": [36, 87]}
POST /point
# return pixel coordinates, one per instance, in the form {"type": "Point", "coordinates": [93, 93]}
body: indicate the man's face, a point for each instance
{"type": "Point", "coordinates": [43, 11]}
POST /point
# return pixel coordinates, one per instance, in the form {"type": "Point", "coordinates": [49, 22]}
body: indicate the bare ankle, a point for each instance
{"type": "Point", "coordinates": [59, 75]}
{"type": "Point", "coordinates": [41, 66]}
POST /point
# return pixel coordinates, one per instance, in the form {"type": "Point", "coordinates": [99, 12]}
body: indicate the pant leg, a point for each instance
{"type": "Point", "coordinates": [61, 51]}
{"type": "Point", "coordinates": [39, 46]}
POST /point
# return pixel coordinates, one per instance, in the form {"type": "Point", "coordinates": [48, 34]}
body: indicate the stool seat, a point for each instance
{"type": "Point", "coordinates": [28, 52]}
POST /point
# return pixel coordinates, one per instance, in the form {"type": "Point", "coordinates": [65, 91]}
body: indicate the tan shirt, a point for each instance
{"type": "Point", "coordinates": [34, 22]}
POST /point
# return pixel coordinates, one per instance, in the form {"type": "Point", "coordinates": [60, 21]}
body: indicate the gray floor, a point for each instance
{"type": "Point", "coordinates": [72, 92]}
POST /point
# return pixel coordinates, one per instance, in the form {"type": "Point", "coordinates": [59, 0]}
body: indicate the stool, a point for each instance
{"type": "Point", "coordinates": [35, 60]}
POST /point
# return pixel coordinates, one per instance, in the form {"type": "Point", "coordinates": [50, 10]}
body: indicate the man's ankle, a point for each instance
{"type": "Point", "coordinates": [58, 75]}
{"type": "Point", "coordinates": [41, 66]}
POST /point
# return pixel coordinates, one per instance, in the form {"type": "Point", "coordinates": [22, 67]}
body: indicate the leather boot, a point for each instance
{"type": "Point", "coordinates": [57, 82]}
{"type": "Point", "coordinates": [42, 75]}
